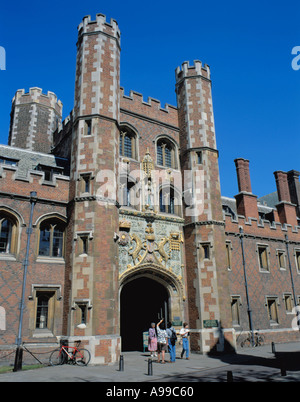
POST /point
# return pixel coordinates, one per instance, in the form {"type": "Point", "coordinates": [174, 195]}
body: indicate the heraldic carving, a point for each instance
{"type": "Point", "coordinates": [149, 250]}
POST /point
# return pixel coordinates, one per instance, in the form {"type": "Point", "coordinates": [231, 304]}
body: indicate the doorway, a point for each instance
{"type": "Point", "coordinates": [142, 301]}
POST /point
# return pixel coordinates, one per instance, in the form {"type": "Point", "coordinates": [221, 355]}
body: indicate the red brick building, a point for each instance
{"type": "Point", "coordinates": [129, 224]}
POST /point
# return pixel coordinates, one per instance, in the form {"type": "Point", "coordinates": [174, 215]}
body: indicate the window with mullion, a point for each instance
{"type": "Point", "coordinates": [168, 157]}
{"type": "Point", "coordinates": [167, 201]}
{"type": "Point", "coordinates": [57, 243]}
{"type": "Point", "coordinates": [51, 240]}
{"type": "Point", "coordinates": [160, 160]}
{"type": "Point", "coordinates": [127, 146]}
{"type": "Point", "coordinates": [5, 235]}
{"type": "Point", "coordinates": [165, 154]}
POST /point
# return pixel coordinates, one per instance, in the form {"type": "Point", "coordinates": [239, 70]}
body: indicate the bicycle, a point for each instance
{"type": "Point", "coordinates": [258, 339]}
{"type": "Point", "coordinates": [70, 354]}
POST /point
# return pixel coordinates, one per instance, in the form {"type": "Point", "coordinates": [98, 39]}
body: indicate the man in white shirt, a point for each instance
{"type": "Point", "coordinates": [184, 332]}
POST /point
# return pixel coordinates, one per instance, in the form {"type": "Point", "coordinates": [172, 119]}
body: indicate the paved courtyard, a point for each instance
{"type": "Point", "coordinates": [251, 365]}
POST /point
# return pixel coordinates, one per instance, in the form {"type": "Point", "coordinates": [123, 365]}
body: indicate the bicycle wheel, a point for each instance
{"type": "Point", "coordinates": [246, 343]}
{"type": "Point", "coordinates": [82, 357]}
{"type": "Point", "coordinates": [260, 340]}
{"type": "Point", "coordinates": [56, 358]}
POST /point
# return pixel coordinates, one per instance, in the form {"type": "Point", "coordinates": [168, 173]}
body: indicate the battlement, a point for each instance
{"type": "Point", "coordinates": [35, 95]}
{"type": "Point", "coordinates": [66, 122]}
{"type": "Point", "coordinates": [152, 108]}
{"type": "Point", "coordinates": [35, 116]}
{"type": "Point", "coordinates": [15, 185]}
{"type": "Point", "coordinates": [100, 24]}
{"type": "Point", "coordinates": [260, 228]}
{"type": "Point", "coordinates": [198, 69]}
{"type": "Point", "coordinates": [62, 137]}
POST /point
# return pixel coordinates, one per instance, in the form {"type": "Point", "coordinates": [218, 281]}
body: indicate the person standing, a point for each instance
{"type": "Point", "coordinates": [162, 339]}
{"type": "Point", "coordinates": [172, 338]}
{"type": "Point", "coordinates": [152, 340]}
{"type": "Point", "coordinates": [184, 332]}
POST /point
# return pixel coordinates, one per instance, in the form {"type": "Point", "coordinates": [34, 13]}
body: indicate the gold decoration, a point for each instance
{"type": "Point", "coordinates": [150, 236]}
{"type": "Point", "coordinates": [124, 224]}
{"type": "Point", "coordinates": [147, 251]}
{"type": "Point", "coordinates": [175, 240]}
{"type": "Point", "coordinates": [138, 248]}
{"type": "Point", "coordinates": [161, 250]}
{"type": "Point", "coordinates": [147, 163]}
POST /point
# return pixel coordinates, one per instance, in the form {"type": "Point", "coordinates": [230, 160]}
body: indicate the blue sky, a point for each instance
{"type": "Point", "coordinates": [247, 44]}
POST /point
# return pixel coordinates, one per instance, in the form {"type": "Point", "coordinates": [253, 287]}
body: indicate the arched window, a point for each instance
{"type": "Point", "coordinates": [51, 243]}
{"type": "Point", "coordinates": [166, 153]}
{"type": "Point", "coordinates": [8, 234]}
{"type": "Point", "coordinates": [169, 201]}
{"type": "Point", "coordinates": [128, 146]}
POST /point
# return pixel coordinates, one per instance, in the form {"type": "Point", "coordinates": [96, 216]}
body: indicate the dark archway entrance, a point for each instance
{"type": "Point", "coordinates": [143, 301]}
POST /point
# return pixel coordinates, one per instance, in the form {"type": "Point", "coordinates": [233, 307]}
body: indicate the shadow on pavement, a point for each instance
{"type": "Point", "coordinates": [246, 368]}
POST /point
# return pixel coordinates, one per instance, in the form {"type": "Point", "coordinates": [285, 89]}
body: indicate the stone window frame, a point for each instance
{"type": "Point", "coordinates": [51, 320]}
{"type": "Point", "coordinates": [272, 308]}
{"type": "Point", "coordinates": [129, 187]}
{"type": "Point", "coordinates": [266, 248]}
{"type": "Point", "coordinates": [17, 223]}
{"type": "Point", "coordinates": [127, 130]}
{"type": "Point", "coordinates": [205, 248]}
{"type": "Point", "coordinates": [50, 217]}
{"type": "Point", "coordinates": [81, 237]}
{"type": "Point", "coordinates": [284, 298]}
{"type": "Point", "coordinates": [78, 312]}
{"type": "Point", "coordinates": [166, 140]}
{"type": "Point", "coordinates": [85, 182]}
{"type": "Point", "coordinates": [279, 253]}
{"type": "Point", "coordinates": [88, 127]}
{"type": "Point", "coordinates": [229, 248]}
{"type": "Point", "coordinates": [297, 259]}
{"type": "Point", "coordinates": [177, 206]}
{"type": "Point", "coordinates": [238, 299]}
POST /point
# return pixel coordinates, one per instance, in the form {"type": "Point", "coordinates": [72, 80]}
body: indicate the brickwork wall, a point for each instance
{"type": "Point", "coordinates": [11, 183]}
{"type": "Point", "coordinates": [152, 125]}
{"type": "Point", "coordinates": [151, 109]}
{"type": "Point", "coordinates": [40, 271]}
{"type": "Point", "coordinates": [262, 284]}
{"type": "Point", "coordinates": [34, 118]}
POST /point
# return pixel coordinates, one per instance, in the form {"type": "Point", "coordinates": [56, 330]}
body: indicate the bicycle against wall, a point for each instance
{"type": "Point", "coordinates": [70, 355]}
{"type": "Point", "coordinates": [258, 340]}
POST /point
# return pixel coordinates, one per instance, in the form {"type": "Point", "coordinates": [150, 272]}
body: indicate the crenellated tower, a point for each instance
{"type": "Point", "coordinates": [204, 225]}
{"type": "Point", "coordinates": [93, 253]}
{"type": "Point", "coordinates": [34, 118]}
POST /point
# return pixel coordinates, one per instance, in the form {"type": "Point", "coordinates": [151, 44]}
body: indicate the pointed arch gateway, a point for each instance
{"type": "Point", "coordinates": [147, 294]}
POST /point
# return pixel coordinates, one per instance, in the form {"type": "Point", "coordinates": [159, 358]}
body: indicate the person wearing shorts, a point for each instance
{"type": "Point", "coordinates": [162, 341]}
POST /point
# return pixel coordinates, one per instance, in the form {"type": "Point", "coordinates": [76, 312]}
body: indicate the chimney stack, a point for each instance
{"type": "Point", "coordinates": [282, 186]}
{"type": "Point", "coordinates": [246, 202]}
{"type": "Point", "coordinates": [286, 210]}
{"type": "Point", "coordinates": [294, 187]}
